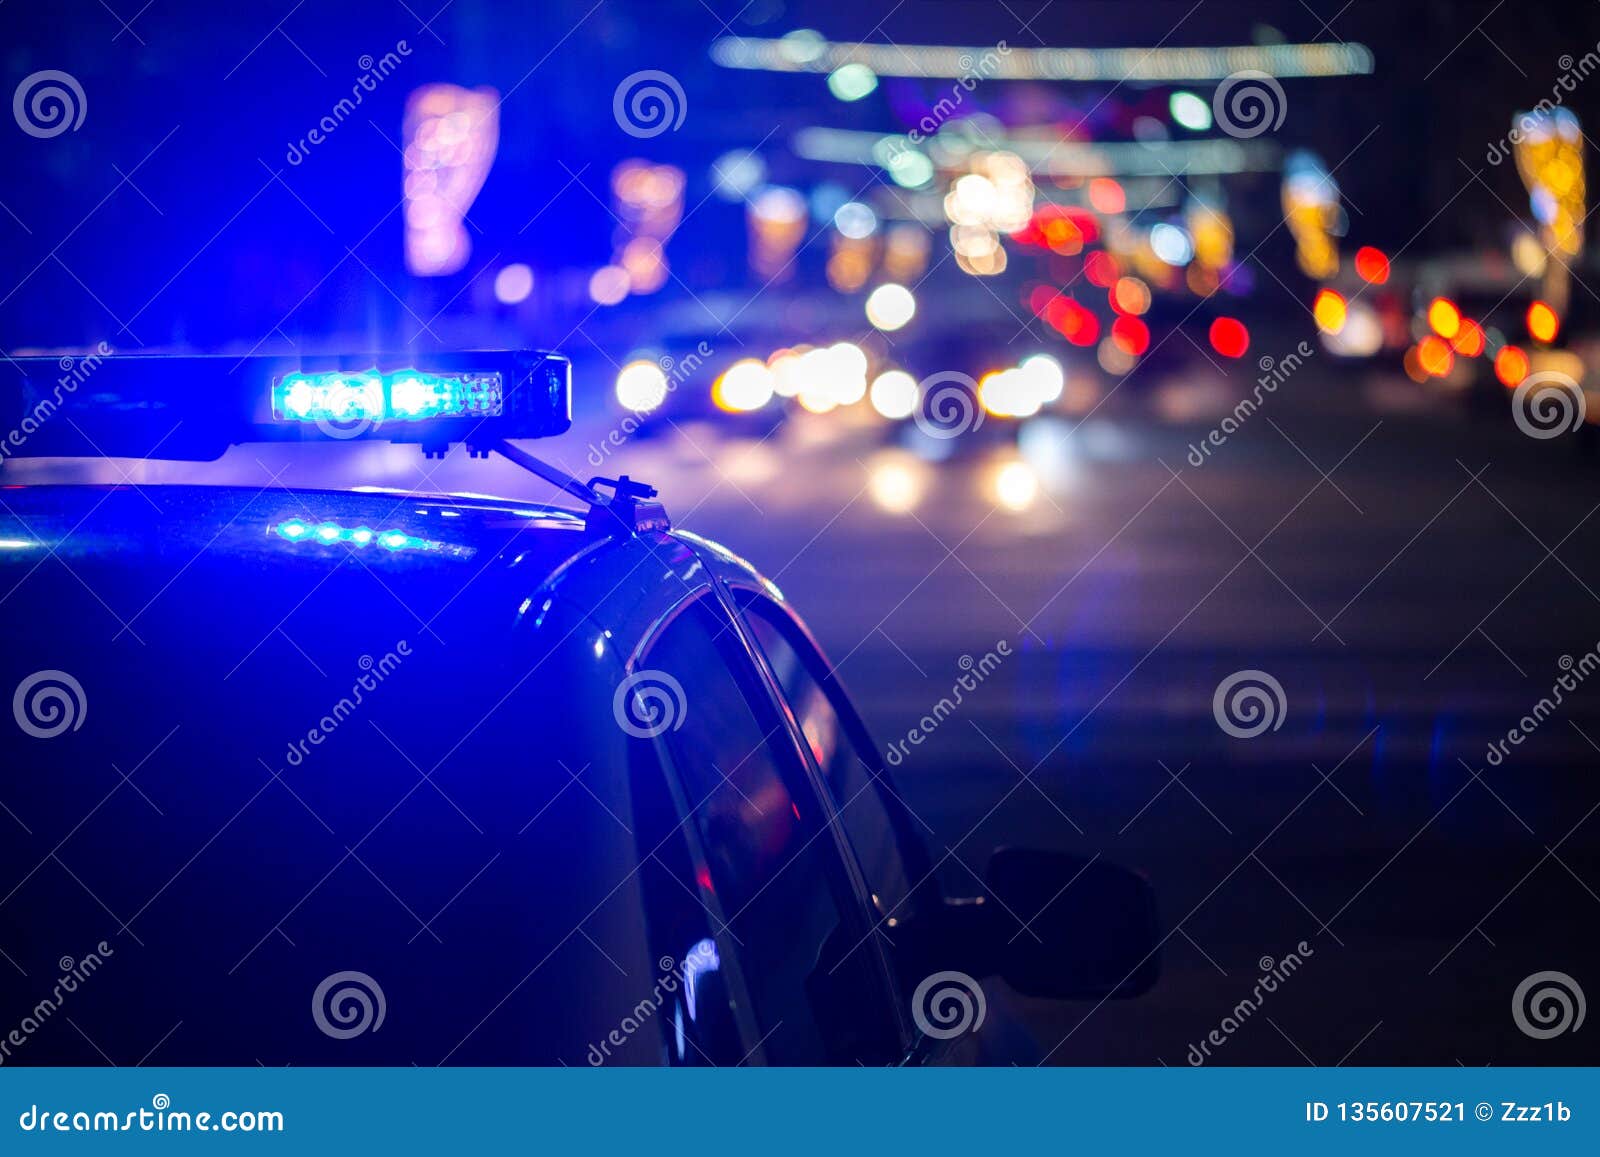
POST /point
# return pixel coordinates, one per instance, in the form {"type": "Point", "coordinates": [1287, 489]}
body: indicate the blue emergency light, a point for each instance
{"type": "Point", "coordinates": [407, 396]}
{"type": "Point", "coordinates": [194, 407]}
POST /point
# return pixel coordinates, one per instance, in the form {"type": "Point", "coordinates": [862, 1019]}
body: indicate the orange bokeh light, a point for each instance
{"type": "Point", "coordinates": [1444, 317]}
{"type": "Point", "coordinates": [1543, 324]}
{"type": "Point", "coordinates": [1435, 356]}
{"type": "Point", "coordinates": [1328, 310]}
{"type": "Point", "coordinates": [1469, 341]}
{"type": "Point", "coordinates": [1510, 366]}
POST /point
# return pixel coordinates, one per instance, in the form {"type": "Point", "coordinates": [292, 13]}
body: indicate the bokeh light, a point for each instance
{"type": "Point", "coordinates": [641, 386]}
{"type": "Point", "coordinates": [513, 284]}
{"type": "Point", "coordinates": [1444, 317]}
{"type": "Point", "coordinates": [894, 394]}
{"type": "Point", "coordinates": [744, 386]}
{"type": "Point", "coordinates": [1372, 265]}
{"type": "Point", "coordinates": [1543, 324]}
{"type": "Point", "coordinates": [890, 306]}
{"type": "Point", "coordinates": [1329, 310]}
{"type": "Point", "coordinates": [1229, 337]}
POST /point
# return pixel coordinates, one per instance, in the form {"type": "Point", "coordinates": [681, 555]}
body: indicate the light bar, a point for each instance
{"type": "Point", "coordinates": [194, 407]}
{"type": "Point", "coordinates": [406, 396]}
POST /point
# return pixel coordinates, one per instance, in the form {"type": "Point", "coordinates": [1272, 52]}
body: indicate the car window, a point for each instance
{"type": "Point", "coordinates": [818, 988]}
{"type": "Point", "coordinates": [852, 775]}
{"type": "Point", "coordinates": [697, 1022]}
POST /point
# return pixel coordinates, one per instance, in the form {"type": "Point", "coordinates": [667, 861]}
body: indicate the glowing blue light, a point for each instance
{"type": "Point", "coordinates": [332, 533]}
{"type": "Point", "coordinates": [406, 396]}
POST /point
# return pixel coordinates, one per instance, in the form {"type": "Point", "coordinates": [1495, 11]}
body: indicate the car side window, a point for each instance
{"type": "Point", "coordinates": [852, 774]}
{"type": "Point", "coordinates": [818, 989]}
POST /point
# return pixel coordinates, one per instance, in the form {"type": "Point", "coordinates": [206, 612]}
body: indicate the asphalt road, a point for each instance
{"type": "Point", "coordinates": [1414, 573]}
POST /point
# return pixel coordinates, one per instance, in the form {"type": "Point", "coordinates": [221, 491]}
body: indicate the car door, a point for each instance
{"type": "Point", "coordinates": [767, 862]}
{"type": "Point", "coordinates": [884, 834]}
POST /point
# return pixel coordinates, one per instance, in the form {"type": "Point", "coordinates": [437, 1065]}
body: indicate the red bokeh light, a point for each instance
{"type": "Point", "coordinates": [1372, 265]}
{"type": "Point", "coordinates": [1229, 337]}
{"type": "Point", "coordinates": [1131, 335]}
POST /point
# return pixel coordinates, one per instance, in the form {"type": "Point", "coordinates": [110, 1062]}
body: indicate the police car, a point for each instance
{"type": "Point", "coordinates": [364, 777]}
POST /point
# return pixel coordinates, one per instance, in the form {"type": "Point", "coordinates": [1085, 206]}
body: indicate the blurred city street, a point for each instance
{"type": "Point", "coordinates": [1410, 576]}
{"type": "Point", "coordinates": [1222, 374]}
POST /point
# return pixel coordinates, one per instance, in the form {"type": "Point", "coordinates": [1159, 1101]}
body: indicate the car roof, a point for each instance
{"type": "Point", "coordinates": [452, 538]}
{"type": "Point", "coordinates": [71, 520]}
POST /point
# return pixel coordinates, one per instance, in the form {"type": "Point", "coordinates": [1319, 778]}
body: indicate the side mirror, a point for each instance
{"type": "Point", "coordinates": [1095, 925]}
{"type": "Point", "coordinates": [1091, 929]}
